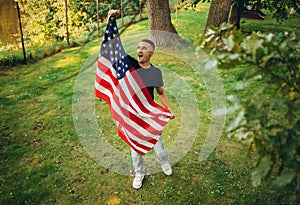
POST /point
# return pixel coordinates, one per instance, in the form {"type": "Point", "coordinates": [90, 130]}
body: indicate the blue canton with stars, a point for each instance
{"type": "Point", "coordinates": [112, 49]}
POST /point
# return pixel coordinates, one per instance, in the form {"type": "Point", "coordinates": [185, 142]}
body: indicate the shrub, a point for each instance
{"type": "Point", "coordinates": [268, 118]}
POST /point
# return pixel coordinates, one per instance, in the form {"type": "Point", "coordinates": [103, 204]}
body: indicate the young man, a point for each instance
{"type": "Point", "coordinates": [152, 79]}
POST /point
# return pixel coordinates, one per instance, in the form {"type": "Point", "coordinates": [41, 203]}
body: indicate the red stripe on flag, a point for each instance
{"type": "Point", "coordinates": [123, 136]}
{"type": "Point", "coordinates": [133, 94]}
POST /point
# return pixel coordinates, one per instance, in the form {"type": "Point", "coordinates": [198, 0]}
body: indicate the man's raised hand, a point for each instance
{"type": "Point", "coordinates": [114, 13]}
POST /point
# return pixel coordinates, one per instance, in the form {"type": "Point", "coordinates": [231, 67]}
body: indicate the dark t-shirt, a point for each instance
{"type": "Point", "coordinates": [151, 77]}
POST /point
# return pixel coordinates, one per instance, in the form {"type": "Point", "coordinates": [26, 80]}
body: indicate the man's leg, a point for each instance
{"type": "Point", "coordinates": [162, 157]}
{"type": "Point", "coordinates": [139, 169]}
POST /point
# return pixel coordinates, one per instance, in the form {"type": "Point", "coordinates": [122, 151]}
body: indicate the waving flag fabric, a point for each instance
{"type": "Point", "coordinates": [139, 119]}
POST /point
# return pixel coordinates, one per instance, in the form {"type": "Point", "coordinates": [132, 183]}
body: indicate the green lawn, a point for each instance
{"type": "Point", "coordinates": [44, 162]}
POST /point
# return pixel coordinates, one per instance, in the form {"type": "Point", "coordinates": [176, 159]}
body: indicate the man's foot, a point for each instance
{"type": "Point", "coordinates": [138, 180]}
{"type": "Point", "coordinates": [167, 169]}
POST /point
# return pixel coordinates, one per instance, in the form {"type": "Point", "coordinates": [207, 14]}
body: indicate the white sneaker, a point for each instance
{"type": "Point", "coordinates": [167, 169]}
{"type": "Point", "coordinates": [138, 180]}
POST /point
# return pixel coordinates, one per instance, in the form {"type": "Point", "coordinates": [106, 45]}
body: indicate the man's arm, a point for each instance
{"type": "Point", "coordinates": [113, 13]}
{"type": "Point", "coordinates": [164, 99]}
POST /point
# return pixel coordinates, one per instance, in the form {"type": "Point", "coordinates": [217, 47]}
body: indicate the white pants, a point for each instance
{"type": "Point", "coordinates": [138, 160]}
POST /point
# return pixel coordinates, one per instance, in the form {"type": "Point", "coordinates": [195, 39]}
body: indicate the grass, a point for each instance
{"type": "Point", "coordinates": [44, 162]}
{"type": "Point", "coordinates": [289, 25]}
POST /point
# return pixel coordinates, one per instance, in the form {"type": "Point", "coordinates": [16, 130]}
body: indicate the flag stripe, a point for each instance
{"type": "Point", "coordinates": [144, 111]}
{"type": "Point", "coordinates": [133, 144]}
{"type": "Point", "coordinates": [141, 102]}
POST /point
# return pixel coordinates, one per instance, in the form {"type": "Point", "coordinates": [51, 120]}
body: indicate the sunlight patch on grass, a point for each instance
{"type": "Point", "coordinates": [65, 62]}
{"type": "Point", "coordinates": [113, 201]}
{"type": "Point", "coordinates": [136, 28]}
{"type": "Point", "coordinates": [94, 49]}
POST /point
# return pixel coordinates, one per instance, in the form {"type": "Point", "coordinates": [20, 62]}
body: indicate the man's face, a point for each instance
{"type": "Point", "coordinates": [144, 52]}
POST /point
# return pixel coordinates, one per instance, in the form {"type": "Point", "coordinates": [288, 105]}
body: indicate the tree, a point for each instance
{"type": "Point", "coordinates": [162, 30]}
{"type": "Point", "coordinates": [278, 8]}
{"type": "Point", "coordinates": [236, 13]}
{"type": "Point", "coordinates": [67, 22]}
{"type": "Point", "coordinates": [218, 13]}
{"type": "Point", "coordinates": [46, 20]}
{"type": "Point", "coordinates": [265, 116]}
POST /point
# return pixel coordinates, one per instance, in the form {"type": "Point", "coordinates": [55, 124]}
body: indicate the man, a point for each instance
{"type": "Point", "coordinates": [152, 79]}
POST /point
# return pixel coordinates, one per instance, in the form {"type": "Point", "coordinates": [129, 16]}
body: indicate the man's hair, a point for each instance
{"type": "Point", "coordinates": [149, 42]}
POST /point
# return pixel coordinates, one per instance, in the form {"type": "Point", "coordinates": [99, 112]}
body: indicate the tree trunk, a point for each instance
{"type": "Point", "coordinates": [236, 13]}
{"type": "Point", "coordinates": [21, 32]}
{"type": "Point", "coordinates": [67, 22]}
{"type": "Point", "coordinates": [218, 13]}
{"type": "Point", "coordinates": [162, 31]}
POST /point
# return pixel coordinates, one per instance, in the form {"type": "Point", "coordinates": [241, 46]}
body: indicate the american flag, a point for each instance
{"type": "Point", "coordinates": [139, 119]}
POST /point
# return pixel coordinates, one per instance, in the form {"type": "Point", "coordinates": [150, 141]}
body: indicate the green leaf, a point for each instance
{"type": "Point", "coordinates": [266, 58]}
{"type": "Point", "coordinates": [234, 56]}
{"type": "Point", "coordinates": [229, 42]}
{"type": "Point", "coordinates": [261, 170]}
{"type": "Point", "coordinates": [284, 179]}
{"type": "Point", "coordinates": [234, 124]}
{"type": "Point", "coordinates": [210, 63]}
{"type": "Point", "coordinates": [251, 45]}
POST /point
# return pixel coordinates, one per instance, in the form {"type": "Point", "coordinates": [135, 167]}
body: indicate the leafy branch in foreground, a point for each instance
{"type": "Point", "coordinates": [267, 115]}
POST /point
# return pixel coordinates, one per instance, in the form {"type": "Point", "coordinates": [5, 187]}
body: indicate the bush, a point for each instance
{"type": "Point", "coordinates": [13, 58]}
{"type": "Point", "coordinates": [268, 118]}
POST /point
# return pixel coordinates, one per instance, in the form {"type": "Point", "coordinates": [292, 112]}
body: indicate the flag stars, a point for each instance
{"type": "Point", "coordinates": [112, 49]}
